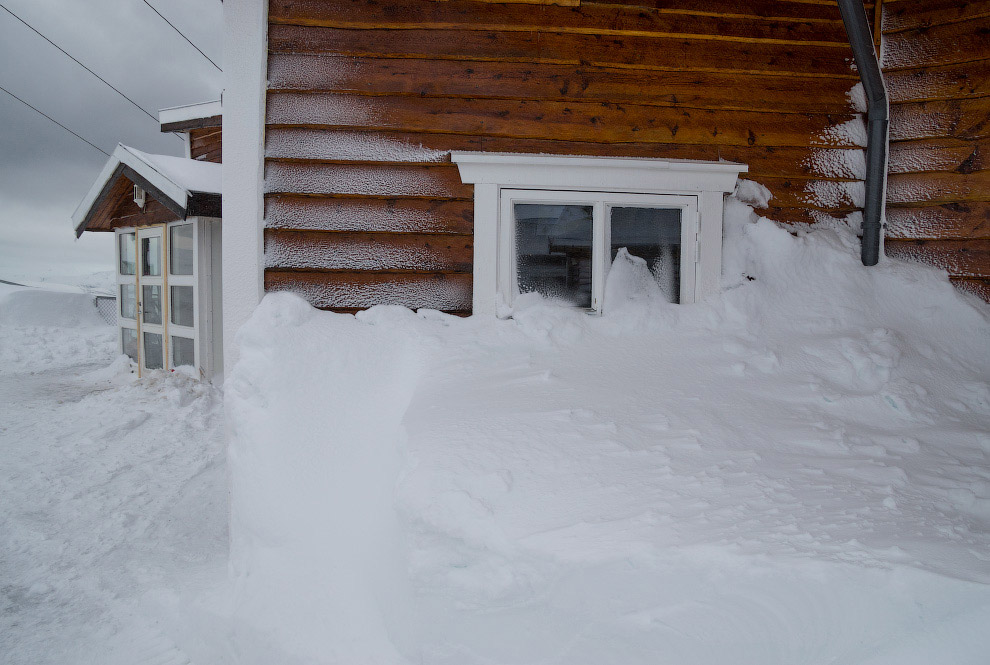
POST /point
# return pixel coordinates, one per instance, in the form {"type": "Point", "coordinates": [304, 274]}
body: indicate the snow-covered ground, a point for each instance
{"type": "Point", "coordinates": [110, 489]}
{"type": "Point", "coordinates": [796, 472]}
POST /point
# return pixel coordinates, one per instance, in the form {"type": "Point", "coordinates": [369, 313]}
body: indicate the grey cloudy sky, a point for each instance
{"type": "Point", "coordinates": [44, 170]}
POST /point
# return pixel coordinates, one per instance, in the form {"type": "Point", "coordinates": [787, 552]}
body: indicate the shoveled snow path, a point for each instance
{"type": "Point", "coordinates": [109, 488]}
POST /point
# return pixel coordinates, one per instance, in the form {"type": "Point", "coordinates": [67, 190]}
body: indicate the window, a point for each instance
{"type": "Point", "coordinates": [553, 224]}
{"type": "Point", "coordinates": [561, 244]}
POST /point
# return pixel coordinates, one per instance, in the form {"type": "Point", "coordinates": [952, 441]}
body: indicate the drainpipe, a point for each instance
{"type": "Point", "coordinates": [858, 29]}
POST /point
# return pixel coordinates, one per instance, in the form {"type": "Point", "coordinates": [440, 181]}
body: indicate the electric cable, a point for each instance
{"type": "Point", "coordinates": [183, 35]}
{"type": "Point", "coordinates": [108, 84]}
{"type": "Point", "coordinates": [33, 108]}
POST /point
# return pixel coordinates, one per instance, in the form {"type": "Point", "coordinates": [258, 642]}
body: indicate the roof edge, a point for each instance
{"type": "Point", "coordinates": [191, 116]}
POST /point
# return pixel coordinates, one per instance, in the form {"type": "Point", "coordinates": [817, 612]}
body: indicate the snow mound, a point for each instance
{"type": "Point", "coordinates": [797, 471]}
{"type": "Point", "coordinates": [43, 307]}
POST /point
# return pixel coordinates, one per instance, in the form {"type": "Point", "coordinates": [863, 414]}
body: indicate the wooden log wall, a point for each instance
{"type": "Point", "coordinates": [205, 143]}
{"type": "Point", "coordinates": [367, 98]}
{"type": "Point", "coordinates": [936, 60]}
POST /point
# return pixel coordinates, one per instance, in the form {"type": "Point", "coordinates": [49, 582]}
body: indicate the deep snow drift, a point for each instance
{"type": "Point", "coordinates": [797, 472]}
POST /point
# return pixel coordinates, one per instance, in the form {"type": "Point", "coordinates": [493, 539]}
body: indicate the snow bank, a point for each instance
{"type": "Point", "coordinates": [44, 329]}
{"type": "Point", "coordinates": [795, 472]}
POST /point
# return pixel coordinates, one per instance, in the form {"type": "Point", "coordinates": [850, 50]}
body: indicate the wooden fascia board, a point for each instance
{"type": "Point", "coordinates": [204, 204]}
{"type": "Point", "coordinates": [100, 199]}
{"type": "Point", "coordinates": [195, 123]}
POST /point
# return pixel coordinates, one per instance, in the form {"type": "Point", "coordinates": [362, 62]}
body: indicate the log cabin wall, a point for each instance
{"type": "Point", "coordinates": [205, 144]}
{"type": "Point", "coordinates": [367, 98]}
{"type": "Point", "coordinates": [936, 60]}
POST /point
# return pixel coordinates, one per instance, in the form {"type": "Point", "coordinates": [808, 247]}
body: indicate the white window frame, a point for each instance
{"type": "Point", "coordinates": [126, 280]}
{"type": "Point", "coordinates": [174, 329]}
{"type": "Point", "coordinates": [704, 183]}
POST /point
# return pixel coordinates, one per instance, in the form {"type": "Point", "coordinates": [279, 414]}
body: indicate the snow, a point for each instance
{"type": "Point", "coordinates": [797, 471]}
{"type": "Point", "coordinates": [189, 174]}
{"type": "Point", "coordinates": [112, 489]}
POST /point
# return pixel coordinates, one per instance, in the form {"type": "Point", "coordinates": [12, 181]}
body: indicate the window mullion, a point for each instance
{"type": "Point", "coordinates": [599, 255]}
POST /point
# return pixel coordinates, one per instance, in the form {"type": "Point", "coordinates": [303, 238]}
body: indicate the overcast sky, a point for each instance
{"type": "Point", "coordinates": [44, 170]}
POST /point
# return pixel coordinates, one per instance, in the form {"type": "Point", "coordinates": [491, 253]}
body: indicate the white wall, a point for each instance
{"type": "Point", "coordinates": [245, 68]}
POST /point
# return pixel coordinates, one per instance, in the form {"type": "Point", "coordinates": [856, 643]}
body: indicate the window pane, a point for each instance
{"type": "Point", "coordinates": [128, 342]}
{"type": "Point", "coordinates": [653, 234]}
{"type": "Point", "coordinates": [553, 251]}
{"type": "Point", "coordinates": [183, 351]}
{"type": "Point", "coordinates": [128, 301]}
{"type": "Point", "coordinates": [126, 249]}
{"type": "Point", "coordinates": [151, 304]}
{"type": "Point", "coordinates": [181, 305]}
{"type": "Point", "coordinates": [153, 351]}
{"type": "Point", "coordinates": [151, 256]}
{"type": "Point", "coordinates": [180, 249]}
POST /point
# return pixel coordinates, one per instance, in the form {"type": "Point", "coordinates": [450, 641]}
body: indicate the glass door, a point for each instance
{"type": "Point", "coordinates": [151, 295]}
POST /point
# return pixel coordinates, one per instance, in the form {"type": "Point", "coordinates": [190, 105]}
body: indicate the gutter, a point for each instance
{"type": "Point", "coordinates": [878, 113]}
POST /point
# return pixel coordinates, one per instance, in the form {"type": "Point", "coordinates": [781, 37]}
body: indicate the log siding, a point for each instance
{"type": "Point", "coordinates": [367, 98]}
{"type": "Point", "coordinates": [937, 65]}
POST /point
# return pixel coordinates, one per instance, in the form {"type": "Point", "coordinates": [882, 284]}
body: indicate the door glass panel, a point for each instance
{"type": "Point", "coordinates": [180, 248]}
{"type": "Point", "coordinates": [151, 256]}
{"type": "Point", "coordinates": [181, 305]}
{"type": "Point", "coordinates": [128, 302]}
{"type": "Point", "coordinates": [153, 351]}
{"type": "Point", "coordinates": [128, 343]}
{"type": "Point", "coordinates": [553, 251]}
{"type": "Point", "coordinates": [183, 351]}
{"type": "Point", "coordinates": [127, 253]}
{"type": "Point", "coordinates": [653, 234]}
{"type": "Point", "coordinates": [151, 304]}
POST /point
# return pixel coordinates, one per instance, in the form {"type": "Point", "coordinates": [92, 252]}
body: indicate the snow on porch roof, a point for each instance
{"type": "Point", "coordinates": [184, 186]}
{"type": "Point", "coordinates": [191, 116]}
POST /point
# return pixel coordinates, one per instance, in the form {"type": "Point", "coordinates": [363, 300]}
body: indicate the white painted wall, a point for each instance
{"type": "Point", "coordinates": [245, 47]}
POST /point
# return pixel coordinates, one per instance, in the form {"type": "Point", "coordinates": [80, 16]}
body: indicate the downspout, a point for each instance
{"type": "Point", "coordinates": [858, 29]}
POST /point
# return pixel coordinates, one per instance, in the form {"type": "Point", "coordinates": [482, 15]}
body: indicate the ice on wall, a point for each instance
{"type": "Point", "coordinates": [323, 109]}
{"type": "Point", "coordinates": [915, 157]}
{"type": "Point", "coordinates": [837, 163]}
{"type": "Point", "coordinates": [836, 194]}
{"type": "Point", "coordinates": [362, 180]}
{"type": "Point", "coordinates": [416, 292]}
{"type": "Point", "coordinates": [382, 252]}
{"type": "Point", "coordinates": [923, 120]}
{"type": "Point", "coordinates": [344, 145]}
{"type": "Point", "coordinates": [353, 215]}
{"type": "Point", "coordinates": [916, 188]}
{"type": "Point", "coordinates": [850, 132]}
{"type": "Point", "coordinates": [291, 71]}
{"type": "Point", "coordinates": [857, 98]}
{"type": "Point", "coordinates": [925, 222]}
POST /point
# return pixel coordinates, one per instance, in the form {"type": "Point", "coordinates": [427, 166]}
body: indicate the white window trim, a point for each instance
{"type": "Point", "coordinates": [490, 173]}
{"type": "Point", "coordinates": [174, 329]}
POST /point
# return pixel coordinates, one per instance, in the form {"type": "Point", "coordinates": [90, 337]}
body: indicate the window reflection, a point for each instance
{"type": "Point", "coordinates": [653, 234]}
{"type": "Point", "coordinates": [554, 251]}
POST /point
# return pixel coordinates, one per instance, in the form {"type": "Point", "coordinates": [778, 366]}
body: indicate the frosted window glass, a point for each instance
{"type": "Point", "coordinates": [180, 248]}
{"type": "Point", "coordinates": [181, 305]}
{"type": "Point", "coordinates": [553, 251]}
{"type": "Point", "coordinates": [151, 304]}
{"type": "Point", "coordinates": [153, 358]}
{"type": "Point", "coordinates": [128, 302]}
{"type": "Point", "coordinates": [653, 234]}
{"type": "Point", "coordinates": [183, 351]}
{"type": "Point", "coordinates": [127, 253]}
{"type": "Point", "coordinates": [129, 343]}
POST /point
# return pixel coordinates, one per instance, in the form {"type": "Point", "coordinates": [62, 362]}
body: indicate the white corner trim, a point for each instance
{"type": "Point", "coordinates": [189, 112]}
{"type": "Point", "coordinates": [245, 56]}
{"type": "Point", "coordinates": [615, 174]}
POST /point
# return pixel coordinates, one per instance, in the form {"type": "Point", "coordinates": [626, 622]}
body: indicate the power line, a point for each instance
{"type": "Point", "coordinates": [54, 120]}
{"type": "Point", "coordinates": [183, 35]}
{"type": "Point", "coordinates": [136, 105]}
